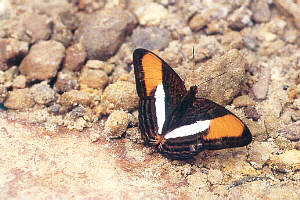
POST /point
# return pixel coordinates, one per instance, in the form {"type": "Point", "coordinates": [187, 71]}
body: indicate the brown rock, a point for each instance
{"type": "Point", "coordinates": [116, 123]}
{"type": "Point", "coordinates": [11, 50]}
{"type": "Point", "coordinates": [66, 81]}
{"type": "Point", "coordinates": [220, 89]}
{"type": "Point", "coordinates": [151, 38]}
{"type": "Point", "coordinates": [112, 25]}
{"type": "Point", "coordinates": [291, 131]}
{"type": "Point", "coordinates": [216, 26]}
{"type": "Point", "coordinates": [261, 87]}
{"type": "Point", "coordinates": [42, 93]}
{"type": "Point", "coordinates": [75, 57]}
{"type": "Point", "coordinates": [62, 34]}
{"type": "Point", "coordinates": [37, 27]}
{"type": "Point", "coordinates": [19, 99]}
{"type": "Point", "coordinates": [198, 22]}
{"type": "Point", "coordinates": [290, 7]}
{"type": "Point", "coordinates": [19, 82]}
{"type": "Point", "coordinates": [243, 100]}
{"type": "Point", "coordinates": [98, 64]}
{"type": "Point", "coordinates": [120, 95]}
{"type": "Point", "coordinates": [261, 11]}
{"type": "Point", "coordinates": [93, 78]}
{"type": "Point", "coordinates": [239, 18]}
{"type": "Point", "coordinates": [288, 161]}
{"type": "Point", "coordinates": [43, 60]}
{"type": "Point", "coordinates": [76, 97]}
{"type": "Point", "coordinates": [69, 19]}
{"type": "Point", "coordinates": [151, 14]}
{"type": "Point", "coordinates": [259, 153]}
{"type": "Point", "coordinates": [251, 113]}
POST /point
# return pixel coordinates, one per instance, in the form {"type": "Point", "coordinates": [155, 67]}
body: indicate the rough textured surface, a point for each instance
{"type": "Point", "coordinates": [43, 60]}
{"type": "Point", "coordinates": [62, 140]}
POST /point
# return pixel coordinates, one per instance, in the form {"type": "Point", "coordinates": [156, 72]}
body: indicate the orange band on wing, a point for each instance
{"type": "Point", "coordinates": [152, 67]}
{"type": "Point", "coordinates": [225, 126]}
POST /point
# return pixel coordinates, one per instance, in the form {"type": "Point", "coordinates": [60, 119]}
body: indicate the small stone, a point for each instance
{"type": "Point", "coordinates": [76, 97]}
{"type": "Point", "coordinates": [98, 64]}
{"type": "Point", "coordinates": [42, 93]}
{"type": "Point", "coordinates": [251, 113]}
{"type": "Point", "coordinates": [19, 99]}
{"type": "Point", "coordinates": [78, 111]}
{"type": "Point", "coordinates": [215, 176]}
{"type": "Point", "coordinates": [75, 57]}
{"type": "Point", "coordinates": [38, 27]}
{"type": "Point", "coordinates": [296, 115]}
{"type": "Point", "coordinates": [286, 162]}
{"type": "Point", "coordinates": [261, 87]}
{"type": "Point", "coordinates": [259, 153]}
{"type": "Point", "coordinates": [151, 14]}
{"type": "Point", "coordinates": [94, 137]}
{"type": "Point", "coordinates": [69, 19]}
{"type": "Point", "coordinates": [116, 123]}
{"type": "Point", "coordinates": [19, 82]}
{"type": "Point", "coordinates": [291, 131]}
{"type": "Point", "coordinates": [55, 108]}
{"type": "Point", "coordinates": [291, 8]}
{"type": "Point", "coordinates": [239, 18]}
{"type": "Point", "coordinates": [216, 27]}
{"type": "Point", "coordinates": [233, 39]}
{"type": "Point", "coordinates": [152, 38]}
{"type": "Point", "coordinates": [134, 134]}
{"type": "Point", "coordinates": [66, 81]}
{"type": "Point", "coordinates": [250, 42]}
{"type": "Point", "coordinates": [242, 101]}
{"type": "Point", "coordinates": [170, 54]}
{"type": "Point", "coordinates": [62, 34]}
{"type": "Point", "coordinates": [99, 110]}
{"type": "Point", "coordinates": [11, 51]}
{"type": "Point", "coordinates": [120, 95]}
{"type": "Point", "coordinates": [43, 60]}
{"type": "Point", "coordinates": [198, 22]}
{"type": "Point", "coordinates": [261, 11]}
{"type": "Point", "coordinates": [111, 24]}
{"type": "Point", "coordinates": [3, 93]}
{"type": "Point", "coordinates": [91, 78]}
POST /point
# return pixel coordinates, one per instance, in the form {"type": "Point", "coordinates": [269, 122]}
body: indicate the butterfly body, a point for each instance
{"type": "Point", "coordinates": [174, 120]}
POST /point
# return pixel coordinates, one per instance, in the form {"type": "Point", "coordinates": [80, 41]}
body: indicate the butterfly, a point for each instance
{"type": "Point", "coordinates": [174, 120]}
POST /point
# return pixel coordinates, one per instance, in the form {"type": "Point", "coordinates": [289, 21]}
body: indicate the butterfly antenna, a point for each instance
{"type": "Point", "coordinates": [193, 64]}
{"type": "Point", "coordinates": [212, 78]}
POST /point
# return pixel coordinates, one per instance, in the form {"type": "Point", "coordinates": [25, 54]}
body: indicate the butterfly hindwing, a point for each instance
{"type": "Point", "coordinates": [205, 125]}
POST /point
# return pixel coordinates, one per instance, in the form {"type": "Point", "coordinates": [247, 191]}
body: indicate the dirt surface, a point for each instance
{"type": "Point", "coordinates": [68, 104]}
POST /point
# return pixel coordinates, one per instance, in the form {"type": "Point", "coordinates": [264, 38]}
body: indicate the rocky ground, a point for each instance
{"type": "Point", "coordinates": [68, 103]}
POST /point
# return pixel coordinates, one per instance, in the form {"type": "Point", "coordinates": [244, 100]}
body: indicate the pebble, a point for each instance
{"type": "Point", "coordinates": [220, 89]}
{"type": "Point", "coordinates": [250, 42]}
{"type": "Point", "coordinates": [98, 64]}
{"type": "Point", "coordinates": [76, 97]}
{"type": "Point", "coordinates": [260, 11]}
{"type": "Point", "coordinates": [171, 54]}
{"type": "Point", "coordinates": [66, 81]}
{"type": "Point", "coordinates": [215, 176]}
{"type": "Point", "coordinates": [134, 134]}
{"type": "Point", "coordinates": [291, 131]}
{"type": "Point", "coordinates": [291, 8]}
{"type": "Point", "coordinates": [93, 78]}
{"type": "Point", "coordinates": [151, 14]}
{"type": "Point", "coordinates": [259, 153]}
{"type": "Point", "coordinates": [75, 57]}
{"type": "Point", "coordinates": [111, 24]}
{"type": "Point", "coordinates": [38, 27]}
{"type": "Point", "coordinates": [120, 95]}
{"type": "Point", "coordinates": [233, 40]}
{"type": "Point", "coordinates": [261, 87]}
{"type": "Point", "coordinates": [19, 82]}
{"type": "Point", "coordinates": [151, 38]}
{"type": "Point", "coordinates": [198, 22]}
{"type": "Point", "coordinates": [3, 93]}
{"type": "Point", "coordinates": [62, 34]}
{"type": "Point", "coordinates": [285, 162]}
{"type": "Point", "coordinates": [242, 101]}
{"type": "Point", "coordinates": [69, 19]}
{"type": "Point", "coordinates": [251, 113]}
{"type": "Point", "coordinates": [19, 99]}
{"type": "Point", "coordinates": [11, 50]}
{"type": "Point", "coordinates": [42, 93]}
{"type": "Point", "coordinates": [295, 115]}
{"type": "Point", "coordinates": [43, 60]}
{"type": "Point", "coordinates": [240, 18]}
{"type": "Point", "coordinates": [216, 27]}
{"type": "Point", "coordinates": [116, 123]}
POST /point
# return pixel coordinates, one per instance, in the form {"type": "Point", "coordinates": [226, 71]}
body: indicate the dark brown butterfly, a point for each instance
{"type": "Point", "coordinates": [174, 120]}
